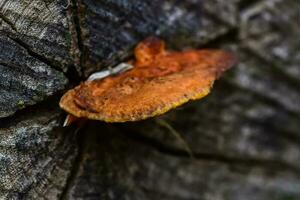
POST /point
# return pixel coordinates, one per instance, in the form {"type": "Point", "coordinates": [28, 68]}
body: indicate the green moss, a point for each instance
{"type": "Point", "coordinates": [21, 104]}
{"type": "Point", "coordinates": [37, 98]}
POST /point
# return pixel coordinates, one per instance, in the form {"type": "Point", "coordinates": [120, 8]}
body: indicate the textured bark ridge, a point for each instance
{"type": "Point", "coordinates": [244, 137]}
{"type": "Point", "coordinates": [24, 79]}
{"type": "Point", "coordinates": [36, 156]}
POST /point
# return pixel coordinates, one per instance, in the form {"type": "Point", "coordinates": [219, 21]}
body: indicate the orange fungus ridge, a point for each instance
{"type": "Point", "coordinates": [160, 80]}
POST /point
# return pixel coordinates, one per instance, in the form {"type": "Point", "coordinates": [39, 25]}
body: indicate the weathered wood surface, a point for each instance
{"type": "Point", "coordinates": [245, 135]}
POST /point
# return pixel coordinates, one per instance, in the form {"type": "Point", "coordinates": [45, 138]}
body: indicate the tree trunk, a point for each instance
{"type": "Point", "coordinates": [244, 136]}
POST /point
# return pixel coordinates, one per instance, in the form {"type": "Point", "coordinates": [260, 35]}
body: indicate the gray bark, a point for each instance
{"type": "Point", "coordinates": [244, 136]}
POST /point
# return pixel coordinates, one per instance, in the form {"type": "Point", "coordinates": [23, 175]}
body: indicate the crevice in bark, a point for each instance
{"type": "Point", "coordinates": [50, 102]}
{"type": "Point", "coordinates": [71, 73]}
{"type": "Point", "coordinates": [276, 71]}
{"type": "Point", "coordinates": [73, 76]}
{"type": "Point", "coordinates": [267, 100]}
{"type": "Point", "coordinates": [7, 21]}
{"type": "Point", "coordinates": [281, 131]}
{"type": "Point", "coordinates": [34, 54]}
{"type": "Point", "coordinates": [231, 161]}
{"type": "Point", "coordinates": [230, 36]}
{"type": "Point", "coordinates": [246, 4]}
{"type": "Point", "coordinates": [163, 195]}
{"type": "Point", "coordinates": [76, 23]}
{"type": "Point", "coordinates": [219, 19]}
{"type": "Point", "coordinates": [82, 144]}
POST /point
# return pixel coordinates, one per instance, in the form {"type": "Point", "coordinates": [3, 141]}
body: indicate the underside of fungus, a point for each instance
{"type": "Point", "coordinates": [159, 81]}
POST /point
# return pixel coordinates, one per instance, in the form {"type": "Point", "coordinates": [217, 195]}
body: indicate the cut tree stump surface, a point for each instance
{"type": "Point", "coordinates": [244, 136]}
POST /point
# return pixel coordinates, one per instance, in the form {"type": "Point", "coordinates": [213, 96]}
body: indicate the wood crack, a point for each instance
{"type": "Point", "coordinates": [267, 100]}
{"type": "Point", "coordinates": [281, 131]}
{"type": "Point", "coordinates": [79, 40]}
{"type": "Point", "coordinates": [7, 21]}
{"type": "Point", "coordinates": [276, 71]}
{"type": "Point", "coordinates": [50, 102]}
{"type": "Point", "coordinates": [230, 36]}
{"type": "Point", "coordinates": [34, 54]}
{"type": "Point", "coordinates": [214, 157]}
{"type": "Point", "coordinates": [247, 3]}
{"type": "Point", "coordinates": [82, 144]}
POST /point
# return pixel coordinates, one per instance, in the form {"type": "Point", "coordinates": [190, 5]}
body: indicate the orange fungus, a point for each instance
{"type": "Point", "coordinates": [159, 81]}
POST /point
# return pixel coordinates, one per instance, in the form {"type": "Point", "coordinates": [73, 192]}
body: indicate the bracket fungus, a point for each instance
{"type": "Point", "coordinates": [159, 81]}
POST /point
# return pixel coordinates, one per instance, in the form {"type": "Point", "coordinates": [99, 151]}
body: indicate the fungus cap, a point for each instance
{"type": "Point", "coordinates": [159, 81]}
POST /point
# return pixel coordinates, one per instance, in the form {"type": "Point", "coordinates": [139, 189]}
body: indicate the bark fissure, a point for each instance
{"type": "Point", "coordinates": [276, 71]}
{"type": "Point", "coordinates": [283, 132]}
{"type": "Point", "coordinates": [82, 144]}
{"type": "Point", "coordinates": [7, 21]}
{"type": "Point", "coordinates": [34, 54]}
{"type": "Point", "coordinates": [76, 22]}
{"type": "Point", "coordinates": [263, 98]}
{"type": "Point", "coordinates": [247, 3]}
{"type": "Point", "coordinates": [50, 102]}
{"type": "Point", "coordinates": [229, 36]}
{"type": "Point", "coordinates": [232, 161]}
